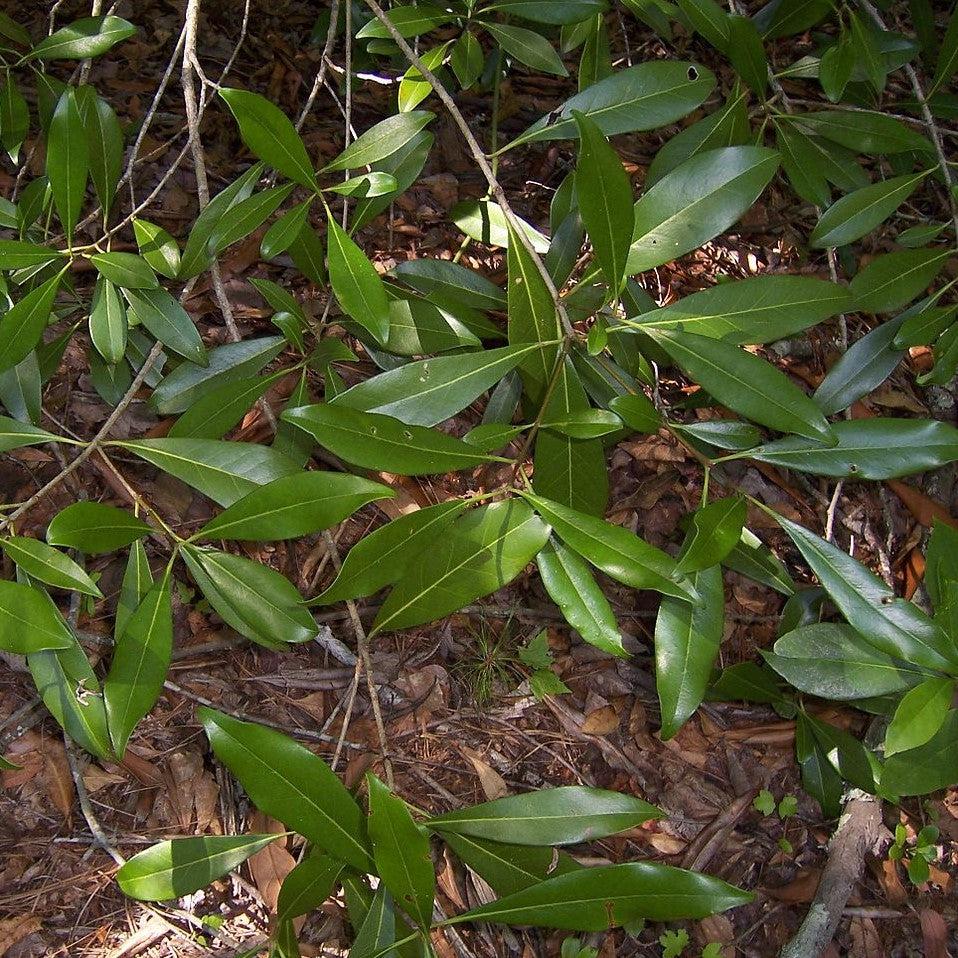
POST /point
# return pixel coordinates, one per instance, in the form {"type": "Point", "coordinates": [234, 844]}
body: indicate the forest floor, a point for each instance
{"type": "Point", "coordinates": [461, 723]}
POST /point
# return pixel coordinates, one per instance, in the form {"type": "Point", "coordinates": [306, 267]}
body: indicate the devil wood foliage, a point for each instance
{"type": "Point", "coordinates": [566, 378]}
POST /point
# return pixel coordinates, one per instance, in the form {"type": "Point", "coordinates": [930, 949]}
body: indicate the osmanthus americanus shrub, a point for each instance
{"type": "Point", "coordinates": [564, 378]}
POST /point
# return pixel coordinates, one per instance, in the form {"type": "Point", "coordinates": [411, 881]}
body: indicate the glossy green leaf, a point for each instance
{"type": "Point", "coordinates": [697, 201]}
{"type": "Point", "coordinates": [948, 53]}
{"type": "Point", "coordinates": [288, 782]}
{"type": "Point", "coordinates": [941, 561]}
{"type": "Point", "coordinates": [480, 553]}
{"type": "Point", "coordinates": [104, 146]}
{"type": "Point", "coordinates": [819, 777]}
{"type": "Point", "coordinates": [68, 160]}
{"type": "Point", "coordinates": [49, 565]}
{"type": "Point", "coordinates": [307, 886]}
{"type": "Point", "coordinates": [252, 598]}
{"type": "Point", "coordinates": [358, 287]}
{"type": "Point", "coordinates": [746, 383]}
{"type": "Point", "coordinates": [83, 39]}
{"type": "Point", "coordinates": [157, 247]}
{"type": "Point", "coordinates": [637, 411]}
{"type": "Point", "coordinates": [747, 54]}
{"type": "Point", "coordinates": [270, 135]}
{"type": "Point", "coordinates": [544, 11]}
{"type": "Point", "coordinates": [484, 221]}
{"type": "Point", "coordinates": [29, 622]}
{"type": "Point", "coordinates": [14, 117]}
{"type": "Point", "coordinates": [871, 133]}
{"type": "Point", "coordinates": [732, 434]}
{"type": "Point", "coordinates": [222, 407]}
{"type": "Point", "coordinates": [571, 586]}
{"type": "Point", "coordinates": [836, 67]}
{"type": "Point", "coordinates": [169, 323]}
{"type": "Point", "coordinates": [895, 279]}
{"type": "Point", "coordinates": [16, 254]}
{"type": "Point", "coordinates": [378, 930]}
{"type": "Point", "coordinates": [126, 270]}
{"type": "Point", "coordinates": [23, 324]}
{"type": "Point", "coordinates": [927, 768]}
{"type": "Point", "coordinates": [876, 448]}
{"type": "Point", "coordinates": [410, 21]}
{"type": "Point", "coordinates": [920, 714]}
{"type": "Point", "coordinates": [642, 97]}
{"type": "Point", "coordinates": [246, 216]}
{"type": "Point", "coordinates": [14, 434]}
{"type": "Point", "coordinates": [896, 627]}
{"type": "Point", "coordinates": [616, 551]}
{"type": "Point", "coordinates": [182, 866]}
{"type": "Point", "coordinates": [383, 443]}
{"type": "Point", "coordinates": [687, 640]}
{"type": "Point", "coordinates": [580, 900]}
{"type": "Point", "coordinates": [366, 184]}
{"type": "Point", "coordinates": [294, 506]}
{"type": "Point", "coordinates": [752, 558]}
{"type": "Point", "coordinates": [401, 851]}
{"type": "Point", "coordinates": [108, 322]}
{"type": "Point", "coordinates": [451, 280]}
{"type": "Point", "coordinates": [760, 309]}
{"type": "Point", "coordinates": [224, 471]}
{"type": "Point", "coordinates": [528, 47]}
{"type": "Point", "coordinates": [94, 528]}
{"type": "Point", "coordinates": [800, 163]}
{"type": "Point", "coordinates": [141, 658]}
{"type": "Point", "coordinates": [714, 532]}
{"type": "Point", "coordinates": [137, 581]}
{"type": "Point", "coordinates": [284, 232]}
{"type": "Point", "coordinates": [583, 424]}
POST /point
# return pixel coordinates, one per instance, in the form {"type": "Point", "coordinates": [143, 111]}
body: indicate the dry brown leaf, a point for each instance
{"type": "Point", "coordinates": [16, 929]}
{"type": "Point", "coordinates": [801, 889]}
{"type": "Point", "coordinates": [924, 509]}
{"type": "Point", "coordinates": [270, 866]}
{"type": "Point", "coordinates": [600, 721]}
{"type": "Point", "coordinates": [492, 783]}
{"type": "Point", "coordinates": [934, 933]}
{"type": "Point", "coordinates": [57, 778]}
{"type": "Point", "coordinates": [891, 883]}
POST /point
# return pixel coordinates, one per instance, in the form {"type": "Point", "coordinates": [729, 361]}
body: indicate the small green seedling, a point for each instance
{"type": "Point", "coordinates": [920, 856]}
{"type": "Point", "coordinates": [674, 943]}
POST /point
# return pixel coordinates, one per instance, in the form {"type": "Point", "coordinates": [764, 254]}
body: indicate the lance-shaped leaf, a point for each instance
{"type": "Point", "coordinates": [255, 600]}
{"type": "Point", "coordinates": [480, 553]}
{"type": "Point", "coordinates": [49, 565]}
{"type": "Point", "coordinates": [380, 558]}
{"type": "Point", "coordinates": [833, 661]}
{"type": "Point", "coordinates": [401, 850]}
{"type": "Point", "coordinates": [451, 280]}
{"type": "Point", "coordinates": [104, 145]}
{"type": "Point", "coordinates": [29, 622]}
{"type": "Point", "coordinates": [747, 54]}
{"type": "Point", "coordinates": [141, 658]}
{"type": "Point", "coordinates": [429, 391]}
{"type": "Point", "coordinates": [23, 324]}
{"type": "Point", "coordinates": [876, 448]}
{"type": "Point", "coordinates": [746, 383]}
{"type": "Point", "coordinates": [381, 141]}
{"type": "Point", "coordinates": [572, 587]}
{"type": "Point", "coordinates": [307, 886]}
{"type": "Point", "coordinates": [222, 407]}
{"type": "Point", "coordinates": [126, 270]}
{"type": "Point", "coordinates": [863, 132]}
{"type": "Point", "coordinates": [246, 216]}
{"type": "Point", "coordinates": [927, 768]}
{"type": "Point", "coordinates": [83, 39]}
{"type": "Point", "coordinates": [485, 222]}
{"type": "Point", "coordinates": [709, 20]}
{"type": "Point", "coordinates": [605, 200]}
{"type": "Point", "coordinates": [157, 247]}
{"type": "Point", "coordinates": [182, 866]}
{"type": "Point", "coordinates": [68, 160]}
{"type": "Point", "coordinates": [895, 279]}
{"type": "Point", "coordinates": [14, 434]}
{"type": "Point", "coordinates": [920, 714]}
{"type": "Point", "coordinates": [95, 528]}
{"type": "Point", "coordinates": [528, 47]}
{"type": "Point", "coordinates": [554, 816]}
{"type": "Point", "coordinates": [294, 506]}
{"type": "Point", "coordinates": [697, 201]}
{"type": "Point", "coordinates": [288, 782]}
{"type": "Point", "coordinates": [856, 214]}
{"type": "Point", "coordinates": [581, 900]}
{"type": "Point", "coordinates": [224, 471]}
{"type": "Point", "coordinates": [378, 930]}
{"type": "Point", "coordinates": [756, 310]}
{"type": "Point", "coordinates": [358, 287]}
{"type": "Point", "coordinates": [714, 532]}
{"type": "Point", "coordinates": [687, 640]}
{"type": "Point", "coordinates": [893, 625]}
{"type": "Point", "coordinates": [16, 254]}
{"type": "Point", "coordinates": [642, 97]}
{"type": "Point", "coordinates": [166, 319]}
{"type": "Point", "coordinates": [270, 135]}
{"type": "Point", "coordinates": [616, 551]}
{"type": "Point", "coordinates": [137, 581]}
{"type": "Point", "coordinates": [14, 118]}
{"type": "Point", "coordinates": [108, 322]}
{"type": "Point", "coordinates": [383, 443]}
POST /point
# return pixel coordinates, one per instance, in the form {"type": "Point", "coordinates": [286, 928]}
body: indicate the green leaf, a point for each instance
{"type": "Point", "coordinates": [895, 279]}
{"type": "Point", "coordinates": [920, 714]}
{"type": "Point", "coordinates": [833, 661]}
{"type": "Point", "coordinates": [467, 59]}
{"type": "Point", "coordinates": [553, 816]}
{"type": "Point", "coordinates": [108, 322]}
{"type": "Point", "coordinates": [14, 118]}
{"type": "Point", "coordinates": [642, 97]}
{"type": "Point", "coordinates": [715, 531]}
{"type": "Point", "coordinates": [484, 221]}
{"type": "Point", "coordinates": [847, 755]}
{"type": "Point", "coordinates": [545, 11]}
{"type": "Point", "coordinates": [95, 528]}
{"type": "Point", "coordinates": [189, 383]}
{"type": "Point", "coordinates": [104, 145]}
{"type": "Point", "coordinates": [941, 561]}
{"type": "Point", "coordinates": [141, 658]}
{"type": "Point", "coordinates": [284, 232]}
{"type": "Point", "coordinates": [730, 434]}
{"type": "Point", "coordinates": [83, 39]}
{"type": "Point", "coordinates": [709, 20]}
{"type": "Point", "coordinates": [876, 448]}
{"type": "Point", "coordinates": [383, 443]}
{"type": "Point", "coordinates": [126, 270]}
{"type": "Point", "coordinates": [580, 900]}
{"type": "Point", "coordinates": [862, 132]}
{"type": "Point", "coordinates": [378, 930]}
{"type": "Point", "coordinates": [480, 553]}
{"type": "Point", "coordinates": [783, 18]}
{"type": "Point", "coordinates": [867, 364]}
{"type": "Point", "coordinates": [70, 691]}
{"type": "Point", "coordinates": [224, 471]}
{"type": "Point", "coordinates": [687, 640]}
{"type": "Point", "coordinates": [22, 326]}
{"type": "Point", "coordinates": [381, 141]}
{"type": "Point", "coordinates": [450, 280]}
{"type": "Point", "coordinates": [366, 184]}
{"type": "Point", "coordinates": [429, 391]}
{"type": "Point", "coordinates": [358, 287]}
{"type": "Point", "coordinates": [760, 309]}
{"type": "Point", "coordinates": [802, 166]}
{"type": "Point", "coordinates": [616, 551]}
{"type": "Point", "coordinates": [696, 202]}
{"type": "Point", "coordinates": [948, 54]}
{"type": "Point", "coordinates": [858, 213]}
{"type": "Point", "coordinates": [571, 586]}
{"type": "Point", "coordinates": [819, 777]}
{"type": "Point", "coordinates": [16, 254]}
{"type": "Point", "coordinates": [157, 247]}
{"type": "Point", "coordinates": [252, 598]}
{"type": "Point", "coordinates": [168, 322]}
{"type": "Point", "coordinates": [222, 407]}
{"type": "Point", "coordinates": [307, 886]}
{"type": "Point", "coordinates": [896, 627]}
{"type": "Point", "coordinates": [247, 215]}
{"type": "Point", "coordinates": [49, 565]}
{"type": "Point", "coordinates": [182, 866]}
{"type": "Point", "coordinates": [836, 67]}
{"type": "Point", "coordinates": [584, 423]}
{"type": "Point", "coordinates": [14, 434]}
{"type": "Point", "coordinates": [137, 582]}
{"type": "Point", "coordinates": [604, 192]}
{"type": "Point", "coordinates": [637, 411]}
{"type": "Point", "coordinates": [528, 47]}
{"type": "Point", "coordinates": [747, 54]}
{"type": "Point", "coordinates": [29, 622]}
{"type": "Point", "coordinates": [294, 506]}
{"type": "Point", "coordinates": [401, 850]}
{"type": "Point", "coordinates": [270, 135]}
{"type": "Point", "coordinates": [67, 161]}
{"type": "Point", "coordinates": [746, 383]}
{"type": "Point", "coordinates": [380, 558]}
{"type": "Point", "coordinates": [288, 782]}
{"type": "Point", "coordinates": [927, 768]}
{"type": "Point", "coordinates": [747, 682]}
{"type": "Point", "coordinates": [409, 21]}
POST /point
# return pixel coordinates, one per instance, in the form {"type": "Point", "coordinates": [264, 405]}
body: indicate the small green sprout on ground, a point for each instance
{"type": "Point", "coordinates": [573, 948]}
{"type": "Point", "coordinates": [917, 858]}
{"type": "Point", "coordinates": [674, 943]}
{"type": "Point", "coordinates": [537, 656]}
